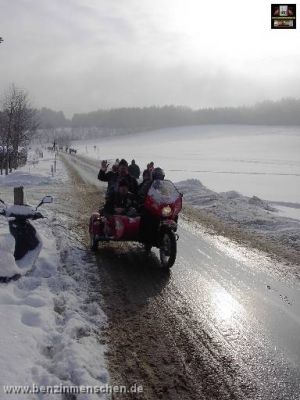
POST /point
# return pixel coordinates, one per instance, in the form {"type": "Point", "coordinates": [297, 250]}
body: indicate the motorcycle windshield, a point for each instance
{"type": "Point", "coordinates": [163, 192]}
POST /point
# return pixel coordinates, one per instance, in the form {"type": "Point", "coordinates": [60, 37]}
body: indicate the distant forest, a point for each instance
{"type": "Point", "coordinates": [283, 112]}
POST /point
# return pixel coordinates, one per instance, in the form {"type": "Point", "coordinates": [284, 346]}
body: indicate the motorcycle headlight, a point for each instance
{"type": "Point", "coordinates": [166, 211]}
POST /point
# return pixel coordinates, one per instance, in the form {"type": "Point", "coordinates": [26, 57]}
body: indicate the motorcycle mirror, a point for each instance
{"type": "Point", "coordinates": [2, 212]}
{"type": "Point", "coordinates": [45, 200]}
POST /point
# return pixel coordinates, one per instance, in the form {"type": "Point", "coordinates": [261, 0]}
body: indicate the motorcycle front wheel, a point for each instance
{"type": "Point", "coordinates": [168, 249]}
{"type": "Point", "coordinates": [147, 247]}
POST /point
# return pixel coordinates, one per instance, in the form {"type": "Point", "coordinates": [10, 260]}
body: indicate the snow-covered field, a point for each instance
{"type": "Point", "coordinates": [48, 324]}
{"type": "Point", "coordinates": [253, 160]}
{"type": "Point", "coordinates": [37, 171]}
{"type": "Point", "coordinates": [225, 171]}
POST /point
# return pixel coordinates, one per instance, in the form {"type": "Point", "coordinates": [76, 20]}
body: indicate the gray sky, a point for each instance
{"type": "Point", "coordinates": [81, 55]}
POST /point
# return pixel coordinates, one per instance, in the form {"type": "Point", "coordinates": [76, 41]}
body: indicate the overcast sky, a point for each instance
{"type": "Point", "coordinates": [81, 55]}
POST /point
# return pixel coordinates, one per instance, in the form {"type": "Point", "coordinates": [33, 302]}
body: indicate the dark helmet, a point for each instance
{"type": "Point", "coordinates": [158, 173]}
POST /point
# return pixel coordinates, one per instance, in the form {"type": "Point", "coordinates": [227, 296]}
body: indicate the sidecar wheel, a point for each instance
{"type": "Point", "coordinates": [168, 249]}
{"type": "Point", "coordinates": [93, 242]}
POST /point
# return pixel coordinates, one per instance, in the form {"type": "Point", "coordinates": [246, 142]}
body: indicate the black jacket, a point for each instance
{"type": "Point", "coordinates": [134, 170]}
{"type": "Point", "coordinates": [113, 177]}
{"type": "Point", "coordinates": [110, 177]}
{"type": "Point", "coordinates": [143, 189]}
{"type": "Point", "coordinates": [115, 200]}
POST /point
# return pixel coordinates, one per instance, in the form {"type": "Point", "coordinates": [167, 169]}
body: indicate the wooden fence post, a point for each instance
{"type": "Point", "coordinates": [19, 196]}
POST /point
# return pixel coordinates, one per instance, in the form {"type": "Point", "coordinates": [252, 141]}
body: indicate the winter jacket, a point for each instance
{"type": "Point", "coordinates": [143, 191]}
{"type": "Point", "coordinates": [116, 200]}
{"type": "Point", "coordinates": [113, 178]}
{"type": "Point", "coordinates": [134, 170]}
{"type": "Point", "coordinates": [110, 177]}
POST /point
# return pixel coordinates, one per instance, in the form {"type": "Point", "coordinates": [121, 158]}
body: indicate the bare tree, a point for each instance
{"type": "Point", "coordinates": [2, 139]}
{"type": "Point", "coordinates": [18, 123]}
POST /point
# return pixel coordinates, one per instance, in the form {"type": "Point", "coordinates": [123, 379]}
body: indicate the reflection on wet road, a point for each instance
{"type": "Point", "coordinates": [249, 301]}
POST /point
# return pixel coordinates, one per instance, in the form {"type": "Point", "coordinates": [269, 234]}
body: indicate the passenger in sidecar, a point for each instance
{"type": "Point", "coordinates": [119, 218]}
{"type": "Point", "coordinates": [121, 202]}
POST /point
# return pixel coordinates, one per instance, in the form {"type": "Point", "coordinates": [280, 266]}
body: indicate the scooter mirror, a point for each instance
{"type": "Point", "coordinates": [2, 211]}
{"type": "Point", "coordinates": [47, 200]}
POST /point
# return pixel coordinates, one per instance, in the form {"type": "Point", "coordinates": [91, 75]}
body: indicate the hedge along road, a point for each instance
{"type": "Point", "coordinates": [222, 324]}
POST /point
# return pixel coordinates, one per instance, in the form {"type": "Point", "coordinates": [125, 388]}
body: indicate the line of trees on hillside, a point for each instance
{"type": "Point", "coordinates": [283, 112]}
{"type": "Point", "coordinates": [17, 125]}
{"type": "Point", "coordinates": [19, 121]}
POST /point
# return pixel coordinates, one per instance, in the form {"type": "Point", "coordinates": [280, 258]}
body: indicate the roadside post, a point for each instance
{"type": "Point", "coordinates": [19, 196]}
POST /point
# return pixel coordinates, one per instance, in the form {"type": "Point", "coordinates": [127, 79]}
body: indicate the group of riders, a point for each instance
{"type": "Point", "coordinates": [125, 196]}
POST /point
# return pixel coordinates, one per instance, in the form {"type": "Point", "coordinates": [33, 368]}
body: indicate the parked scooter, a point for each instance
{"type": "Point", "coordinates": [21, 229]}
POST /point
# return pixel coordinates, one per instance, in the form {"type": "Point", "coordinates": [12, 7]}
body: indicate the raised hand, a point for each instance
{"type": "Point", "coordinates": [104, 165]}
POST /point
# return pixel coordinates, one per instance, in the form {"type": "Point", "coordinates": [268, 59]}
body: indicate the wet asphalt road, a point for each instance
{"type": "Point", "coordinates": [223, 324]}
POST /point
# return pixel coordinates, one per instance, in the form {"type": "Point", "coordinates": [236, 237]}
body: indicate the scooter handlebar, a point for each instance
{"type": "Point", "coordinates": [37, 215]}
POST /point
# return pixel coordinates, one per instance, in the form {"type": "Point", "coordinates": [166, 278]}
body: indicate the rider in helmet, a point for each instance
{"type": "Point", "coordinates": [158, 174]}
{"type": "Point", "coordinates": [144, 186]}
{"type": "Point", "coordinates": [149, 224]}
{"type": "Point", "coordinates": [148, 178]}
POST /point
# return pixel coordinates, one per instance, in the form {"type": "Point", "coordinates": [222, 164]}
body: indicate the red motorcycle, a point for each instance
{"type": "Point", "coordinates": [163, 203]}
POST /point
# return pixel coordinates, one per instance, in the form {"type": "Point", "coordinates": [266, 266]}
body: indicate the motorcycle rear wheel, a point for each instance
{"type": "Point", "coordinates": [168, 249]}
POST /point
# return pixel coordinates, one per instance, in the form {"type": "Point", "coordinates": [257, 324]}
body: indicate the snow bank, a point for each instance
{"type": "Point", "coordinates": [8, 266]}
{"type": "Point", "coordinates": [49, 325]}
{"type": "Point", "coordinates": [35, 172]}
{"type": "Point", "coordinates": [46, 325]}
{"type": "Point", "coordinates": [24, 178]}
{"type": "Point", "coordinates": [251, 214]}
